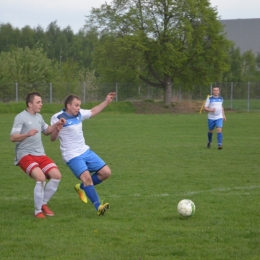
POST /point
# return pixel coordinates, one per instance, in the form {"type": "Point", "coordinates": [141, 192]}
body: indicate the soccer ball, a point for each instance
{"type": "Point", "coordinates": [186, 208]}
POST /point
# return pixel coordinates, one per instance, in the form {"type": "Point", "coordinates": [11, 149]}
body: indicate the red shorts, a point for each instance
{"type": "Point", "coordinates": [29, 162]}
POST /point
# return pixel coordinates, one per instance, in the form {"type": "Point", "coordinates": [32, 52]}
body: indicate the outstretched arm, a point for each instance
{"type": "Point", "coordinates": [97, 109]}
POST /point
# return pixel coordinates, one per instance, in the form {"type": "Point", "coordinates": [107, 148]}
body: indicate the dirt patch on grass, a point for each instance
{"type": "Point", "coordinates": [151, 107]}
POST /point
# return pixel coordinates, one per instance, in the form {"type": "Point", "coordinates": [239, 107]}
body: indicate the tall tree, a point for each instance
{"type": "Point", "coordinates": [234, 73]}
{"type": "Point", "coordinates": [249, 66]}
{"type": "Point", "coordinates": [26, 66]}
{"type": "Point", "coordinates": [161, 41]}
{"type": "Point", "coordinates": [9, 37]}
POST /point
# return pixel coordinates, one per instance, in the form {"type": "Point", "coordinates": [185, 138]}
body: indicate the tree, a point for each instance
{"type": "Point", "coordinates": [9, 37]}
{"type": "Point", "coordinates": [234, 73]}
{"type": "Point", "coordinates": [249, 67]}
{"type": "Point", "coordinates": [26, 66]}
{"type": "Point", "coordinates": [160, 41]}
{"type": "Point", "coordinates": [29, 67]}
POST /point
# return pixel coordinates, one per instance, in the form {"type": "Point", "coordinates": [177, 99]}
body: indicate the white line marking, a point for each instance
{"type": "Point", "coordinates": [217, 190]}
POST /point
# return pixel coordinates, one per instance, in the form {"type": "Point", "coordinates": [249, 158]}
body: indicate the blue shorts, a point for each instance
{"type": "Point", "coordinates": [88, 161]}
{"type": "Point", "coordinates": [218, 123]}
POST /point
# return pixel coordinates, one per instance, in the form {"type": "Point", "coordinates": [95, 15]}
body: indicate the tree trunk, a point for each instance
{"type": "Point", "coordinates": [168, 91]}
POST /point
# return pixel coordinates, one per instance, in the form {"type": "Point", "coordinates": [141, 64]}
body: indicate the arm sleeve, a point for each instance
{"type": "Point", "coordinates": [86, 114]}
{"type": "Point", "coordinates": [44, 126]}
{"type": "Point", "coordinates": [206, 103]}
{"type": "Point", "coordinates": [17, 125]}
{"type": "Point", "coordinates": [54, 119]}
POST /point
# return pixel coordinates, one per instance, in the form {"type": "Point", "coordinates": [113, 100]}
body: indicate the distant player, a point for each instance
{"type": "Point", "coordinates": [216, 115]}
{"type": "Point", "coordinates": [86, 165]}
{"type": "Point", "coordinates": [30, 156]}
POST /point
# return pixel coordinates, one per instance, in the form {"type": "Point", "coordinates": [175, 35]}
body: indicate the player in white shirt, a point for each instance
{"type": "Point", "coordinates": [216, 115]}
{"type": "Point", "coordinates": [83, 162]}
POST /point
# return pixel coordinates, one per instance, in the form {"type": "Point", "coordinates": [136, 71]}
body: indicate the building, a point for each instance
{"type": "Point", "coordinates": [245, 33]}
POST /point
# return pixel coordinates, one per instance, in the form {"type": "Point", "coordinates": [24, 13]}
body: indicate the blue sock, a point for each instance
{"type": "Point", "coordinates": [92, 195]}
{"type": "Point", "coordinates": [95, 179]}
{"type": "Point", "coordinates": [219, 138]}
{"type": "Point", "coordinates": [210, 136]}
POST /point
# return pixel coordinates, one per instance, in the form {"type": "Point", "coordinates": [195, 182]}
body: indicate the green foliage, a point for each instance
{"type": "Point", "coordinates": [156, 161]}
{"type": "Point", "coordinates": [59, 44]}
{"type": "Point", "coordinates": [235, 66]}
{"type": "Point", "coordinates": [17, 107]}
{"type": "Point", "coordinates": [243, 67]}
{"type": "Point", "coordinates": [249, 69]}
{"type": "Point", "coordinates": [162, 42]}
{"type": "Point", "coordinates": [25, 66]}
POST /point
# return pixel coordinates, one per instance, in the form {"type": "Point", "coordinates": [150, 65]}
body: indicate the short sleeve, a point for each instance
{"type": "Point", "coordinates": [44, 126]}
{"type": "Point", "coordinates": [206, 103]}
{"type": "Point", "coordinates": [17, 125]}
{"type": "Point", "coordinates": [54, 119]}
{"type": "Point", "coordinates": [86, 114]}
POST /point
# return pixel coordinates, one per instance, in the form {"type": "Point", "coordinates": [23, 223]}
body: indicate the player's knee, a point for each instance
{"type": "Point", "coordinates": [108, 173]}
{"type": "Point", "coordinates": [105, 172]}
{"type": "Point", "coordinates": [54, 174]}
{"type": "Point", "coordinates": [85, 177]}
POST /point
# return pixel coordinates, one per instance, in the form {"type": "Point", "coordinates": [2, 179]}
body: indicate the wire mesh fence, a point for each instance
{"type": "Point", "coordinates": [239, 96]}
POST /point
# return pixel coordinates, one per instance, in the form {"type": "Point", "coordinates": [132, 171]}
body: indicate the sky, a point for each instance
{"type": "Point", "coordinates": [20, 13]}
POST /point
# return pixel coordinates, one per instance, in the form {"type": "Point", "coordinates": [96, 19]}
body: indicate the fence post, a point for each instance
{"type": "Point", "coordinates": [50, 92]}
{"type": "Point", "coordinates": [248, 96]}
{"type": "Point", "coordinates": [16, 91]}
{"type": "Point", "coordinates": [180, 96]}
{"type": "Point", "coordinates": [231, 96]}
{"type": "Point", "coordinates": [116, 92]}
{"type": "Point", "coordinates": [84, 92]}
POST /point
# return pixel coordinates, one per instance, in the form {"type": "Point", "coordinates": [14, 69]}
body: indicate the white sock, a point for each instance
{"type": "Point", "coordinates": [38, 196]}
{"type": "Point", "coordinates": [50, 188]}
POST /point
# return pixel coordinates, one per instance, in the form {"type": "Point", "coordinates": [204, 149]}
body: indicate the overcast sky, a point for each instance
{"type": "Point", "coordinates": [20, 13]}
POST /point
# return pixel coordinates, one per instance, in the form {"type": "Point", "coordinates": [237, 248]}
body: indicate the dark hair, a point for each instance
{"type": "Point", "coordinates": [69, 99]}
{"type": "Point", "coordinates": [30, 97]}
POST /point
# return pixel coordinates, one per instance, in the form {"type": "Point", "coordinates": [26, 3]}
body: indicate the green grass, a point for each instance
{"type": "Point", "coordinates": [253, 105]}
{"type": "Point", "coordinates": [156, 161]}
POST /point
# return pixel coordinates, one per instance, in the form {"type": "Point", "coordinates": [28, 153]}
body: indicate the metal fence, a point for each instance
{"type": "Point", "coordinates": [243, 96]}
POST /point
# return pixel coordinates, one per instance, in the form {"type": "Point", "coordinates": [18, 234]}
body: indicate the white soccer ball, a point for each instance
{"type": "Point", "coordinates": [186, 208]}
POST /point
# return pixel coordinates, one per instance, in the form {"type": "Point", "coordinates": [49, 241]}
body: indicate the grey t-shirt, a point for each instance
{"type": "Point", "coordinates": [23, 123]}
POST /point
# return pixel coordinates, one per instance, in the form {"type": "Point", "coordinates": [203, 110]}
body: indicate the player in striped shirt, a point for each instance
{"type": "Point", "coordinates": [216, 115]}
{"type": "Point", "coordinates": [85, 164]}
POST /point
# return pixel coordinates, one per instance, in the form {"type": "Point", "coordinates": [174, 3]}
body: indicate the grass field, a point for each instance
{"type": "Point", "coordinates": [156, 161]}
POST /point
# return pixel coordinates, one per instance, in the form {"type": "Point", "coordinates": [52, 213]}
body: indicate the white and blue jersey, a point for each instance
{"type": "Point", "coordinates": [72, 141]}
{"type": "Point", "coordinates": [217, 103]}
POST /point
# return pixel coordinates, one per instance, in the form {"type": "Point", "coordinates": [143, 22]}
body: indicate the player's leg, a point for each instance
{"type": "Point", "coordinates": [219, 125]}
{"type": "Point", "coordinates": [31, 167]}
{"type": "Point", "coordinates": [211, 125]}
{"type": "Point", "coordinates": [78, 166]}
{"type": "Point", "coordinates": [89, 189]}
{"type": "Point", "coordinates": [101, 175]}
{"type": "Point", "coordinates": [39, 178]}
{"type": "Point", "coordinates": [98, 166]}
{"type": "Point", "coordinates": [52, 173]}
{"type": "Point", "coordinates": [81, 166]}
{"type": "Point", "coordinates": [102, 172]}
{"type": "Point", "coordinates": [91, 193]}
